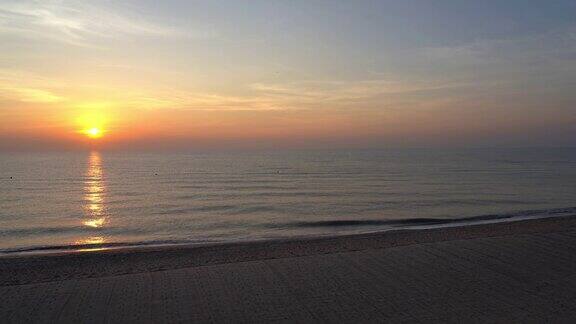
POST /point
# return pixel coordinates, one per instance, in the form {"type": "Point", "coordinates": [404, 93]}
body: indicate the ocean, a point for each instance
{"type": "Point", "coordinates": [94, 200]}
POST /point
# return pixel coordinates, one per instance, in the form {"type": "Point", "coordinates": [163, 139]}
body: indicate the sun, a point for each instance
{"type": "Point", "coordinates": [91, 123]}
{"type": "Point", "coordinates": [93, 132]}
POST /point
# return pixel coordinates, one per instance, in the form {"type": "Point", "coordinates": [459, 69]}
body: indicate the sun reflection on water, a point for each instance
{"type": "Point", "coordinates": [93, 240]}
{"type": "Point", "coordinates": [94, 192]}
{"type": "Point", "coordinates": [96, 223]}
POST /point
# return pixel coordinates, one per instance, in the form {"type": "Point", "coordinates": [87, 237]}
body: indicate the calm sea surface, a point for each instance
{"type": "Point", "coordinates": [64, 201]}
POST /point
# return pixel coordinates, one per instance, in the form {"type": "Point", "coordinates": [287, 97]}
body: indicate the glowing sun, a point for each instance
{"type": "Point", "coordinates": [93, 132]}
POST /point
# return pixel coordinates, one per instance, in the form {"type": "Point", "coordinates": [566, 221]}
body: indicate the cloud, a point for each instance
{"type": "Point", "coordinates": [205, 101]}
{"type": "Point", "coordinates": [75, 22]}
{"type": "Point", "coordinates": [30, 94]}
{"type": "Point", "coordinates": [551, 44]}
{"type": "Point", "coordinates": [27, 87]}
{"type": "Point", "coordinates": [350, 95]}
{"type": "Point", "coordinates": [339, 91]}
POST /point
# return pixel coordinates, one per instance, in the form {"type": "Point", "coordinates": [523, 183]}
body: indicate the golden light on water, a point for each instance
{"type": "Point", "coordinates": [91, 240]}
{"type": "Point", "coordinates": [94, 190]}
{"type": "Point", "coordinates": [96, 223]}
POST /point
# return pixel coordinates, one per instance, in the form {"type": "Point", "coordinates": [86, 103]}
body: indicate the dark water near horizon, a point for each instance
{"type": "Point", "coordinates": [77, 201]}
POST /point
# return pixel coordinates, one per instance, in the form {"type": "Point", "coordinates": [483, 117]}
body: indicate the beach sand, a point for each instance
{"type": "Point", "coordinates": [522, 271]}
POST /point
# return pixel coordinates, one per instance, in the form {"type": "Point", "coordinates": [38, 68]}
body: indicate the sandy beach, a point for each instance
{"type": "Point", "coordinates": [504, 272]}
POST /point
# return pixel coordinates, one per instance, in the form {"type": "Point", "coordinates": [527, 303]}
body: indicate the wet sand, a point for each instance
{"type": "Point", "coordinates": [522, 271]}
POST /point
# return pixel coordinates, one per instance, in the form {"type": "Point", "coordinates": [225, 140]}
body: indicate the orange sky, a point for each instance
{"type": "Point", "coordinates": [173, 75]}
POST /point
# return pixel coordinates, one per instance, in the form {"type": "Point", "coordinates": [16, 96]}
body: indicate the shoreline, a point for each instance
{"type": "Point", "coordinates": [391, 225]}
{"type": "Point", "coordinates": [35, 268]}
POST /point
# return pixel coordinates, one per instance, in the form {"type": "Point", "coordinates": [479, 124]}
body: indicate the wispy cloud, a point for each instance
{"type": "Point", "coordinates": [30, 94]}
{"type": "Point", "coordinates": [75, 22]}
{"type": "Point", "coordinates": [304, 95]}
{"type": "Point", "coordinates": [206, 101]}
{"type": "Point", "coordinates": [336, 91]}
{"type": "Point", "coordinates": [27, 87]}
{"type": "Point", "coordinates": [296, 95]}
{"type": "Point", "coordinates": [266, 97]}
{"type": "Point", "coordinates": [549, 44]}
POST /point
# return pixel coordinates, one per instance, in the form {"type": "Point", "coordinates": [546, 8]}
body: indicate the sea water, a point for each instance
{"type": "Point", "coordinates": [89, 200]}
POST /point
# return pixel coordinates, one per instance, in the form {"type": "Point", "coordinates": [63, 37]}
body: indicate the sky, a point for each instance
{"type": "Point", "coordinates": [286, 74]}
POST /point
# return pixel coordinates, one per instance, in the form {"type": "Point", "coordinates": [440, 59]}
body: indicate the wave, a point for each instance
{"type": "Point", "coordinates": [80, 247]}
{"type": "Point", "coordinates": [390, 223]}
{"type": "Point", "coordinates": [45, 230]}
{"type": "Point", "coordinates": [407, 222]}
{"type": "Point", "coordinates": [190, 210]}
